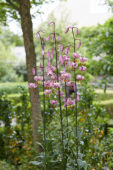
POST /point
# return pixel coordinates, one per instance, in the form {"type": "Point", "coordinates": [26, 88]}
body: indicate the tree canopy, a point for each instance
{"type": "Point", "coordinates": [10, 8]}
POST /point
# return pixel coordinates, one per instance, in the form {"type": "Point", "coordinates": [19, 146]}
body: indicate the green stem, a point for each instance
{"type": "Point", "coordinates": [76, 115]}
{"type": "Point", "coordinates": [44, 108]}
{"type": "Point", "coordinates": [59, 97]}
{"type": "Point", "coordinates": [66, 107]}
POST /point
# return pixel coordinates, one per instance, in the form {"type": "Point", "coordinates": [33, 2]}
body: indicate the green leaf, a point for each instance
{"type": "Point", "coordinates": [40, 144]}
{"type": "Point", "coordinates": [36, 163]}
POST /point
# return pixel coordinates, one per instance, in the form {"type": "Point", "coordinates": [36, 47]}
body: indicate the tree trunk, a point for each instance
{"type": "Point", "coordinates": [26, 24]}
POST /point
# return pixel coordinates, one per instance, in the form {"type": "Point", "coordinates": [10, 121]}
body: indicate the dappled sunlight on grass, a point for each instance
{"type": "Point", "coordinates": [14, 95]}
{"type": "Point", "coordinates": [105, 102]}
{"type": "Point", "coordinates": [102, 91]}
{"type": "Point", "coordinates": [105, 99]}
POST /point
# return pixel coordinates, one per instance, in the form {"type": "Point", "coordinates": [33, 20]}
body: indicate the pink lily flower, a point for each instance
{"type": "Point", "coordinates": [67, 51]}
{"type": "Point", "coordinates": [61, 59]}
{"type": "Point", "coordinates": [65, 58]}
{"type": "Point", "coordinates": [59, 38]}
{"type": "Point", "coordinates": [67, 29]}
{"type": "Point", "coordinates": [47, 39]}
{"type": "Point", "coordinates": [66, 76]}
{"type": "Point", "coordinates": [69, 102]}
{"type": "Point", "coordinates": [61, 47]}
{"type": "Point", "coordinates": [83, 59]}
{"type": "Point", "coordinates": [72, 64]}
{"type": "Point", "coordinates": [49, 72]}
{"type": "Point", "coordinates": [56, 85]}
{"type": "Point", "coordinates": [52, 53]}
{"type": "Point", "coordinates": [79, 44]}
{"type": "Point", "coordinates": [79, 77]}
{"type": "Point", "coordinates": [70, 84]}
{"type": "Point", "coordinates": [76, 55]}
{"type": "Point", "coordinates": [54, 102]}
{"type": "Point", "coordinates": [42, 52]}
{"type": "Point", "coordinates": [48, 84]}
{"type": "Point", "coordinates": [46, 92]}
{"type": "Point", "coordinates": [82, 68]}
{"type": "Point", "coordinates": [38, 78]}
{"type": "Point", "coordinates": [32, 85]}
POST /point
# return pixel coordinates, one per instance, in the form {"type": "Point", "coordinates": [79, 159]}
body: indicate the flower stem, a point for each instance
{"type": "Point", "coordinates": [44, 118]}
{"type": "Point", "coordinates": [76, 114]}
{"type": "Point", "coordinates": [60, 104]}
{"type": "Point", "coordinates": [66, 107]}
{"type": "Point", "coordinates": [44, 108]}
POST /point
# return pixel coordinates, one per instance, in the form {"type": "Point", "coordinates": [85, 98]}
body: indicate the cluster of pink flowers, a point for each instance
{"type": "Point", "coordinates": [65, 76]}
{"type": "Point", "coordinates": [38, 78]}
{"type": "Point", "coordinates": [70, 84]}
{"type": "Point", "coordinates": [46, 92]}
{"type": "Point", "coordinates": [58, 76]}
{"type": "Point", "coordinates": [79, 77]}
{"type": "Point", "coordinates": [69, 102]}
{"type": "Point", "coordinates": [76, 55]}
{"type": "Point", "coordinates": [53, 102]}
{"type": "Point", "coordinates": [32, 85]}
{"type": "Point", "coordinates": [82, 68]}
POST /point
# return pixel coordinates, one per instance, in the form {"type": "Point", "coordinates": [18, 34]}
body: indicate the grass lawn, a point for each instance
{"type": "Point", "coordinates": [12, 87]}
{"type": "Point", "coordinates": [105, 99]}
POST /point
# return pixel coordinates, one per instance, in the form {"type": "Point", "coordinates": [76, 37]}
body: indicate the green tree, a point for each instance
{"type": "Point", "coordinates": [7, 72]}
{"type": "Point", "coordinates": [98, 41]}
{"type": "Point", "coordinates": [8, 38]}
{"type": "Point", "coordinates": [20, 10]}
{"type": "Point", "coordinates": [110, 3]}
